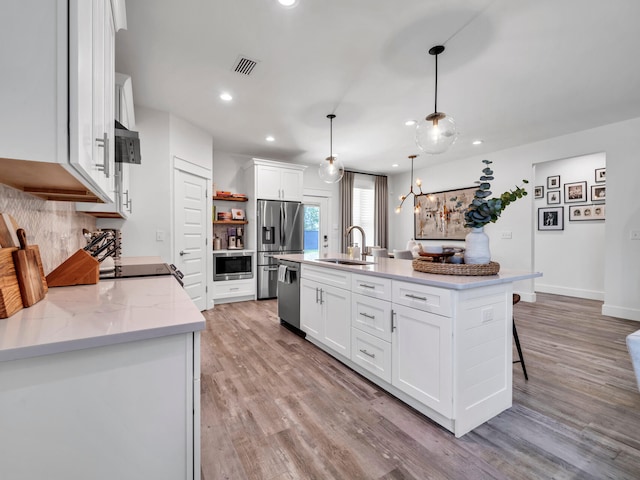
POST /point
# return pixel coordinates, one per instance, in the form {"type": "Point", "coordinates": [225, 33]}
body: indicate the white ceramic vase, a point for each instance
{"type": "Point", "coordinates": [476, 247]}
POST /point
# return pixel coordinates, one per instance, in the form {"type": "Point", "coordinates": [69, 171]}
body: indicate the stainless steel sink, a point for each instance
{"type": "Point", "coordinates": [345, 261]}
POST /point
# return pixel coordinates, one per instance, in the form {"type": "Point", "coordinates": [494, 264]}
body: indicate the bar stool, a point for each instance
{"type": "Point", "coordinates": [516, 299]}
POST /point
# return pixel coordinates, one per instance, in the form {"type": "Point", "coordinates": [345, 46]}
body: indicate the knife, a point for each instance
{"type": "Point", "coordinates": [103, 248]}
{"type": "Point", "coordinates": [96, 241]}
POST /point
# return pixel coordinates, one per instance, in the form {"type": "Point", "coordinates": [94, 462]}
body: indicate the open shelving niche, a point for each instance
{"type": "Point", "coordinates": [220, 226]}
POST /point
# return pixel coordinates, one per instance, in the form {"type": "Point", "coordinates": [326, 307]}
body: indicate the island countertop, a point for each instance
{"type": "Point", "coordinates": [398, 269]}
{"type": "Point", "coordinates": [107, 313]}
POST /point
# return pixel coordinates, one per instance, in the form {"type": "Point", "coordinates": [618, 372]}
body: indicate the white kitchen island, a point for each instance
{"type": "Point", "coordinates": [102, 382]}
{"type": "Point", "coordinates": [440, 343]}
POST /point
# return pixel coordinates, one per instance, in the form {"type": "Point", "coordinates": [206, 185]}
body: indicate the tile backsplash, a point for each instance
{"type": "Point", "coordinates": [54, 226]}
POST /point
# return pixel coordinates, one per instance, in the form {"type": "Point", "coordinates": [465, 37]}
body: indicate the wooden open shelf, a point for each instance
{"type": "Point", "coordinates": [232, 199]}
{"type": "Point", "coordinates": [230, 222]}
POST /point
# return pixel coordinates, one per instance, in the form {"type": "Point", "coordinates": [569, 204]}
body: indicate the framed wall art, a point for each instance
{"type": "Point", "coordinates": [598, 193]}
{"type": "Point", "coordinates": [553, 198]}
{"type": "Point", "coordinates": [538, 192]}
{"type": "Point", "coordinates": [586, 212]}
{"type": "Point", "coordinates": [575, 192]}
{"type": "Point", "coordinates": [441, 214]}
{"type": "Point", "coordinates": [551, 218]}
{"type": "Point", "coordinates": [601, 175]}
{"type": "Point", "coordinates": [553, 182]}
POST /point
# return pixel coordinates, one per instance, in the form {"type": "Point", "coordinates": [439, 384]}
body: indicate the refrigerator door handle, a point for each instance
{"type": "Point", "coordinates": [284, 222]}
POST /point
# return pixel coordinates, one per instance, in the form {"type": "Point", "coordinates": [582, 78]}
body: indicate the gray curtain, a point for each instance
{"type": "Point", "coordinates": [346, 206]}
{"type": "Point", "coordinates": [381, 216]}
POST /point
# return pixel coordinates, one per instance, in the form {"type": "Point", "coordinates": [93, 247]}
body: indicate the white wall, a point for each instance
{"type": "Point", "coordinates": [572, 259]}
{"type": "Point", "coordinates": [621, 144]}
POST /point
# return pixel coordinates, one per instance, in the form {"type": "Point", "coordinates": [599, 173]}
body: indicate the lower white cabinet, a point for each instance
{"type": "Point", "coordinates": [325, 314]}
{"type": "Point", "coordinates": [228, 291]}
{"type": "Point", "coordinates": [126, 411]}
{"type": "Point", "coordinates": [421, 357]}
{"type": "Point", "coordinates": [371, 353]}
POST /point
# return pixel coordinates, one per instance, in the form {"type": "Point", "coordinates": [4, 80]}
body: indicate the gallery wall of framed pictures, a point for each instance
{"type": "Point", "coordinates": [585, 199]}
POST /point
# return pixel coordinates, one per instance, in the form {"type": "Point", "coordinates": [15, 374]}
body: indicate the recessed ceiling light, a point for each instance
{"type": "Point", "coordinates": [226, 97]}
{"type": "Point", "coordinates": [395, 165]}
{"type": "Point", "coordinates": [477, 142]}
{"type": "Point", "coordinates": [408, 123]}
{"type": "Point", "coordinates": [270, 138]}
{"type": "Point", "coordinates": [288, 3]}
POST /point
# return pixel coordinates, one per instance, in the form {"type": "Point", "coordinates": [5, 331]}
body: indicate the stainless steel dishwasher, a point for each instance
{"type": "Point", "coordinates": [289, 294]}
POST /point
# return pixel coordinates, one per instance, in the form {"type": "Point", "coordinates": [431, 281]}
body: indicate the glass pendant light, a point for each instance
{"type": "Point", "coordinates": [438, 131]}
{"type": "Point", "coordinates": [416, 208]}
{"type": "Point", "coordinates": [331, 169]}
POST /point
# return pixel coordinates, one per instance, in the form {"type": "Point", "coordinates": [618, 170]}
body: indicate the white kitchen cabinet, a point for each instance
{"type": "Point", "coordinates": [371, 353]}
{"type": "Point", "coordinates": [126, 411]}
{"type": "Point", "coordinates": [371, 315]}
{"type": "Point", "coordinates": [56, 123]}
{"type": "Point", "coordinates": [234, 290]}
{"type": "Point", "coordinates": [421, 357]}
{"type": "Point", "coordinates": [277, 180]}
{"type": "Point", "coordinates": [122, 206]}
{"type": "Point", "coordinates": [326, 308]}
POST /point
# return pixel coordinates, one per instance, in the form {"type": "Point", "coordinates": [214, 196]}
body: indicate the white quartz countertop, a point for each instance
{"type": "Point", "coordinates": [109, 312]}
{"type": "Point", "coordinates": [399, 269]}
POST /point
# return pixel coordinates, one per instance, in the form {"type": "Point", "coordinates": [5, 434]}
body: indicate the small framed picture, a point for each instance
{"type": "Point", "coordinates": [553, 198]}
{"type": "Point", "coordinates": [237, 214]}
{"type": "Point", "coordinates": [551, 218]}
{"type": "Point", "coordinates": [601, 175]}
{"type": "Point", "coordinates": [586, 212]}
{"type": "Point", "coordinates": [538, 192]}
{"type": "Point", "coordinates": [598, 193]}
{"type": "Point", "coordinates": [553, 182]}
{"type": "Point", "coordinates": [575, 192]}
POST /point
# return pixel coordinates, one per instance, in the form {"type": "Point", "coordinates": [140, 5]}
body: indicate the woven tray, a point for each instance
{"type": "Point", "coordinates": [427, 266]}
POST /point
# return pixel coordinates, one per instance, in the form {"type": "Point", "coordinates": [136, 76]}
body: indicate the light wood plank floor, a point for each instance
{"type": "Point", "coordinates": [276, 407]}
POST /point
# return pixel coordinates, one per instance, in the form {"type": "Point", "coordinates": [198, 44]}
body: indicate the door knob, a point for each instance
{"type": "Point", "coordinates": [182, 252]}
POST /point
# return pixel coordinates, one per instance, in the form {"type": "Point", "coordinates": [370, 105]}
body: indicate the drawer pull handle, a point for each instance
{"type": "Point", "coordinates": [367, 315]}
{"type": "Point", "coordinates": [364, 285]}
{"type": "Point", "coordinates": [424, 299]}
{"type": "Point", "coordinates": [372, 355]}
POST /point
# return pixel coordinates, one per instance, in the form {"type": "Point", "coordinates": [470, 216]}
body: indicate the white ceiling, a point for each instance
{"type": "Point", "coordinates": [514, 71]}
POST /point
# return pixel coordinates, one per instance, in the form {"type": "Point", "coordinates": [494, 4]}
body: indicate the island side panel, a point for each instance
{"type": "Point", "coordinates": [482, 355]}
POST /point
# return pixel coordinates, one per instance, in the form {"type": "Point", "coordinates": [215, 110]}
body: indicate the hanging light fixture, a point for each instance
{"type": "Point", "coordinates": [416, 208]}
{"type": "Point", "coordinates": [438, 131]}
{"type": "Point", "coordinates": [331, 169]}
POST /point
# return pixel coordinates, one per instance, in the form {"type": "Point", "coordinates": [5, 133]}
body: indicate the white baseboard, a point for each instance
{"type": "Point", "coordinates": [527, 296]}
{"type": "Point", "coordinates": [570, 292]}
{"type": "Point", "coordinates": [621, 312]}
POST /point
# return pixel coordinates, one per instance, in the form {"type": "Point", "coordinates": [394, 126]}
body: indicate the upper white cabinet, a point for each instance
{"type": "Point", "coordinates": [56, 124]}
{"type": "Point", "coordinates": [277, 180]}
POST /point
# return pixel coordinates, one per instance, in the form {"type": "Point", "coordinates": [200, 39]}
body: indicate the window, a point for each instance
{"type": "Point", "coordinates": [364, 208]}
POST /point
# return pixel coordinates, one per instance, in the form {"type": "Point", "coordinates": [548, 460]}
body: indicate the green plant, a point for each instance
{"type": "Point", "coordinates": [483, 210]}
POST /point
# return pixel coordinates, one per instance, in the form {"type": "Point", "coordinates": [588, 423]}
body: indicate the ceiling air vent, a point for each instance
{"type": "Point", "coordinates": [244, 65]}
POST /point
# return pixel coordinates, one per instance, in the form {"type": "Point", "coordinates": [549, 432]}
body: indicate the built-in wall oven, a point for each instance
{"type": "Point", "coordinates": [232, 265]}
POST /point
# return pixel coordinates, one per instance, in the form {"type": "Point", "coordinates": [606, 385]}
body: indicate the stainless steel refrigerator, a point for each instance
{"type": "Point", "coordinates": [280, 231]}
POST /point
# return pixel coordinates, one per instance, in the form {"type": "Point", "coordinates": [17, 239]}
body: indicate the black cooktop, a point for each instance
{"type": "Point", "coordinates": [145, 270]}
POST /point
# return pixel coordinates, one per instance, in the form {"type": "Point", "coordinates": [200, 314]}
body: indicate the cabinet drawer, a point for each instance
{"type": "Point", "coordinates": [370, 286]}
{"type": "Point", "coordinates": [371, 315]}
{"type": "Point", "coordinates": [423, 297]}
{"type": "Point", "coordinates": [234, 288]}
{"type": "Point", "coordinates": [371, 353]}
{"type": "Point", "coordinates": [328, 276]}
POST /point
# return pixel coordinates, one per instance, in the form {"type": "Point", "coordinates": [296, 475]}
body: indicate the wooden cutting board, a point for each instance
{"type": "Point", "coordinates": [28, 272]}
{"type": "Point", "coordinates": [10, 298]}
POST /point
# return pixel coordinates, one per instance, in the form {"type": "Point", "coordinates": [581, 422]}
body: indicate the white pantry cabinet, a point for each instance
{"type": "Point", "coordinates": [277, 180]}
{"type": "Point", "coordinates": [56, 124]}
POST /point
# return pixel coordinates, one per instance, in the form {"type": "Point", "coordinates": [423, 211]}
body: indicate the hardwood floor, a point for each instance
{"type": "Point", "coordinates": [276, 407]}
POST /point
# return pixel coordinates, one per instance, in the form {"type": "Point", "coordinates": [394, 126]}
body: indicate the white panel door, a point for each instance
{"type": "Point", "coordinates": [190, 232]}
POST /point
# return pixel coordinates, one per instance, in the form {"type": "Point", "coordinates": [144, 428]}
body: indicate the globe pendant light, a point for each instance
{"type": "Point", "coordinates": [331, 169]}
{"type": "Point", "coordinates": [416, 208]}
{"type": "Point", "coordinates": [438, 131]}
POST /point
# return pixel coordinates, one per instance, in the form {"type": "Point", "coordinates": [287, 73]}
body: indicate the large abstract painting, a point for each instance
{"type": "Point", "coordinates": [441, 214]}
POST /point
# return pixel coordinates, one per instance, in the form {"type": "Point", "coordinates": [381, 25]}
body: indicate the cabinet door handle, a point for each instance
{"type": "Point", "coordinates": [372, 355]}
{"type": "Point", "coordinates": [367, 315]}
{"type": "Point", "coordinates": [317, 294]}
{"type": "Point", "coordinates": [104, 143]}
{"type": "Point", "coordinates": [127, 203]}
{"type": "Point", "coordinates": [424, 299]}
{"type": "Point", "coordinates": [393, 323]}
{"type": "Point", "coordinates": [364, 285]}
{"type": "Point", "coordinates": [321, 295]}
